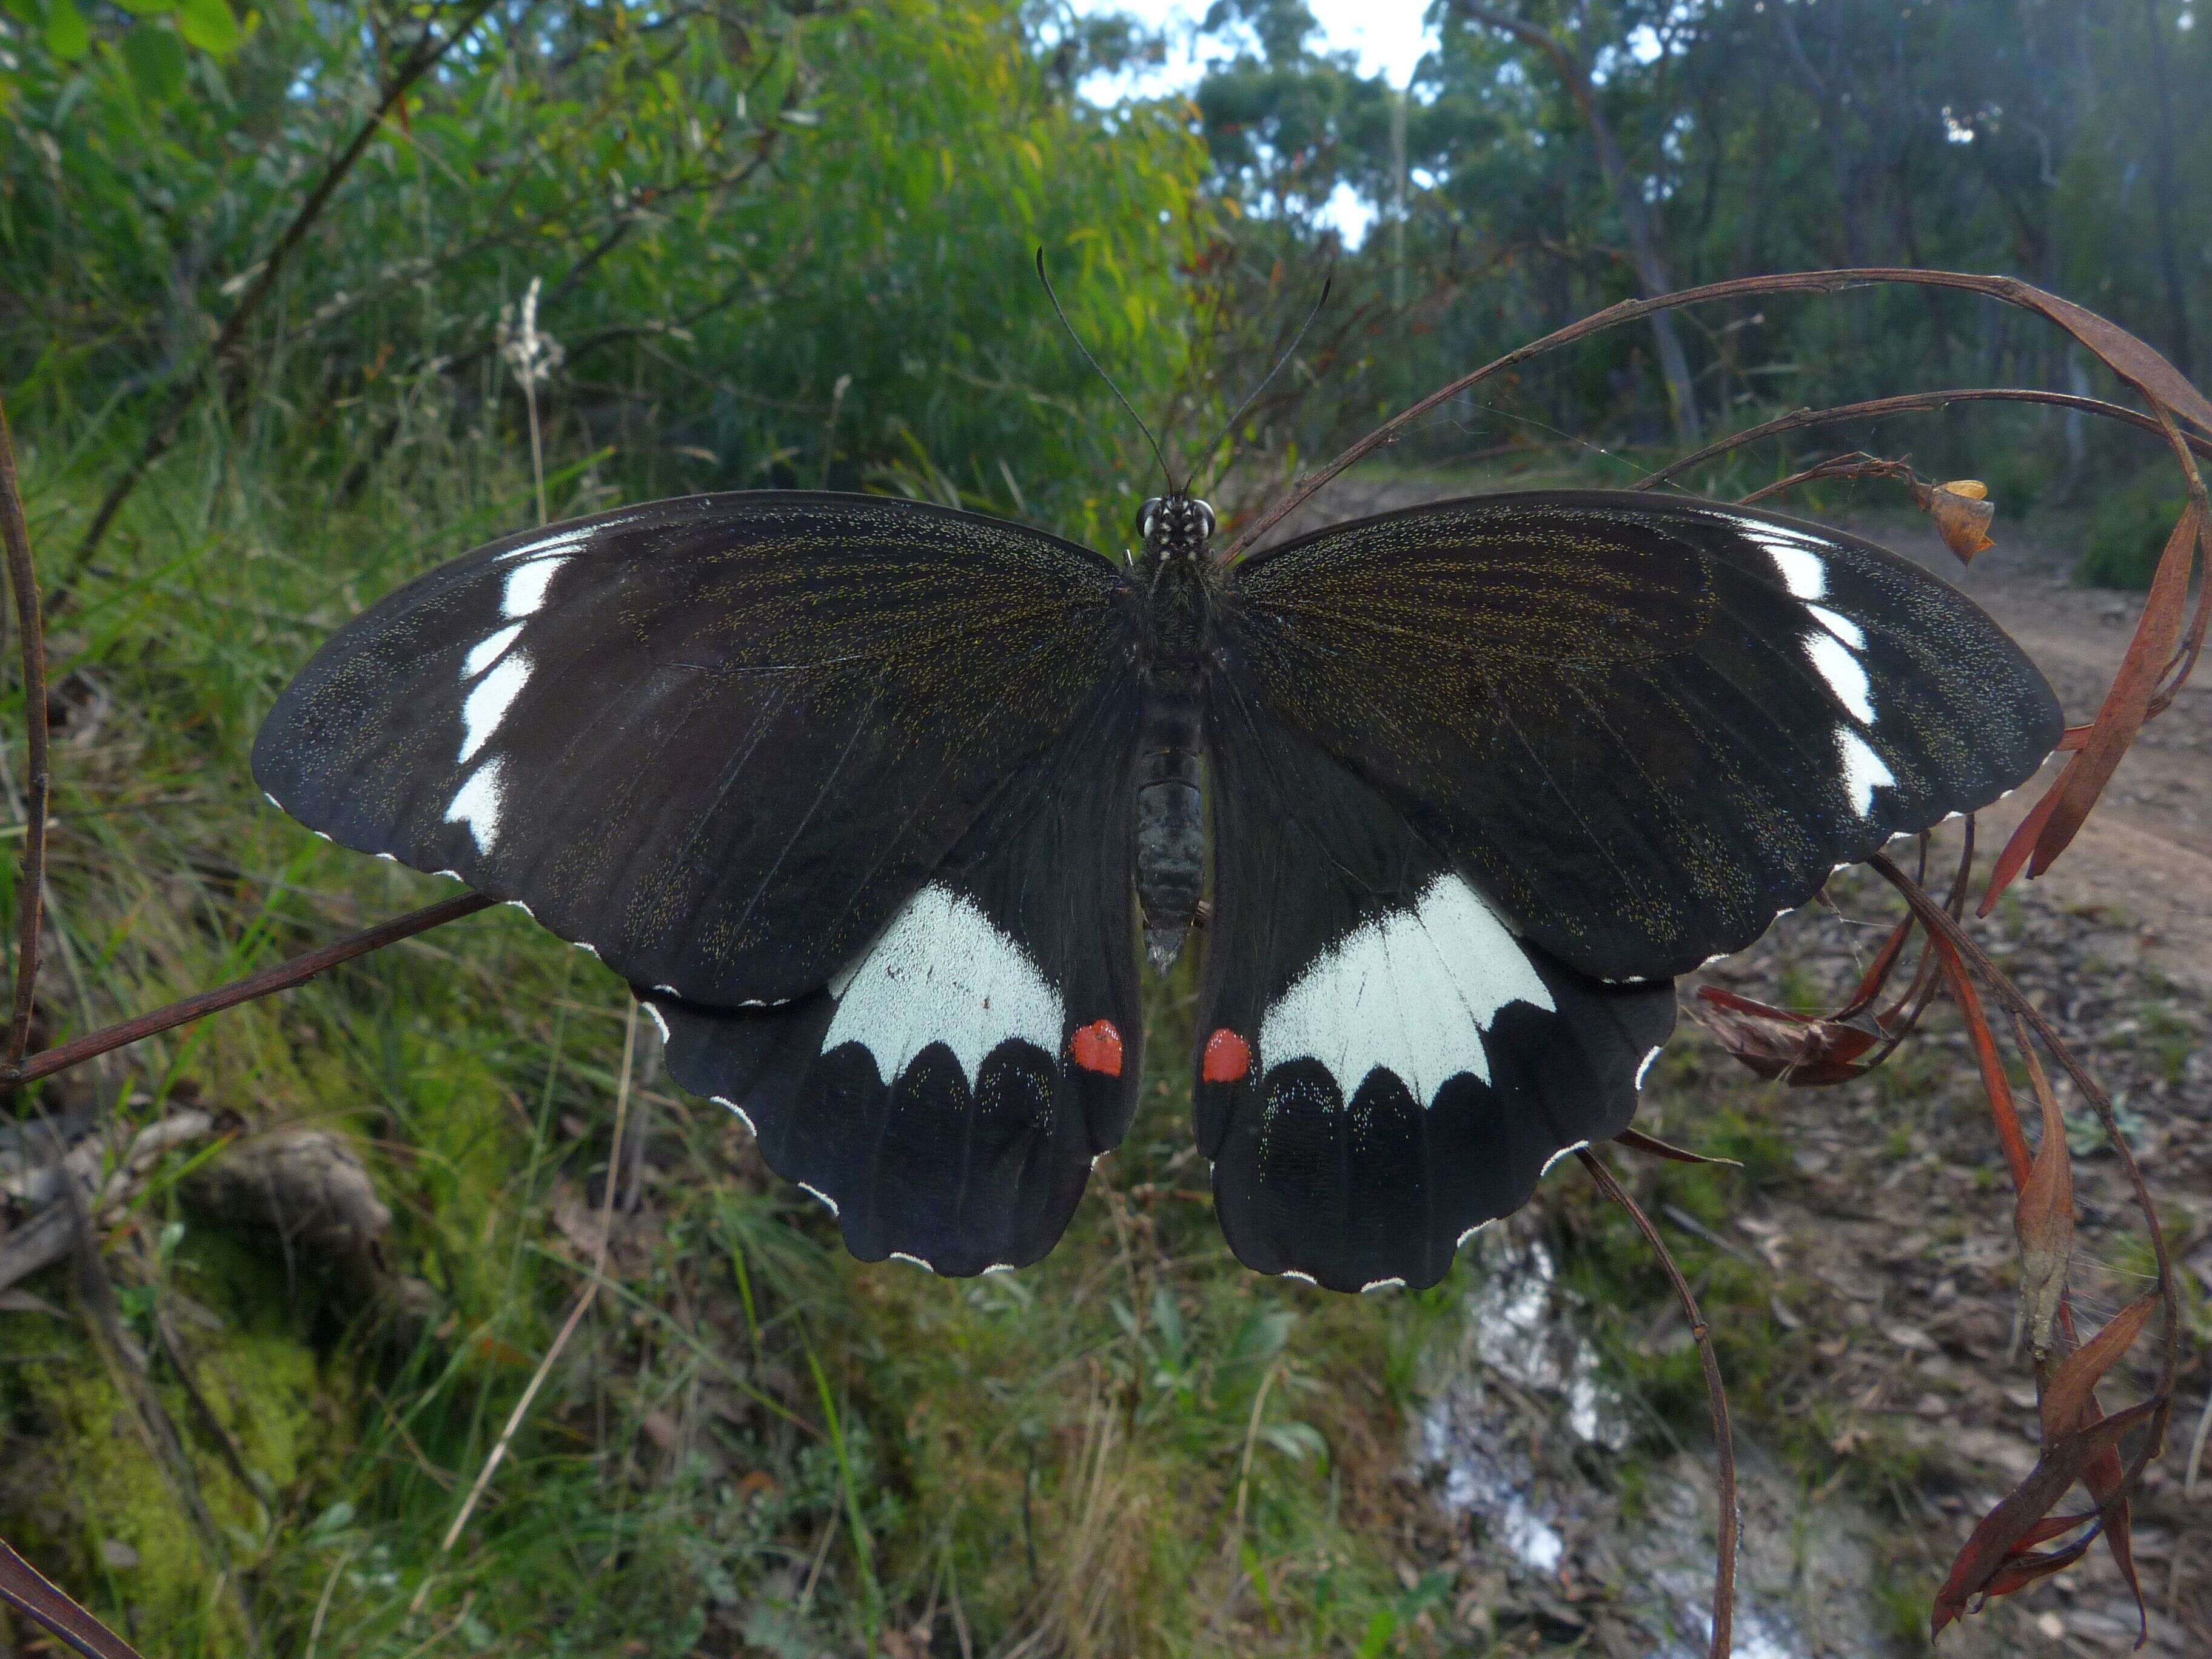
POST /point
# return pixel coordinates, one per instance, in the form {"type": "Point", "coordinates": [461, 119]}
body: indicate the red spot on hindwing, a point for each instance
{"type": "Point", "coordinates": [1228, 1057]}
{"type": "Point", "coordinates": [1097, 1048]}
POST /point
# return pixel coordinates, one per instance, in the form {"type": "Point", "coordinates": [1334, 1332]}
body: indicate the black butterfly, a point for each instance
{"type": "Point", "coordinates": [865, 798]}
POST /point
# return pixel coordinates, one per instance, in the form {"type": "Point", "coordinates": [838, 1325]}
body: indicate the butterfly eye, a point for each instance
{"type": "Point", "coordinates": [1205, 519]}
{"type": "Point", "coordinates": [1147, 516]}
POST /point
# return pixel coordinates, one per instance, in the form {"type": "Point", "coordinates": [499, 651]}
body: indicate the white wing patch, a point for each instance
{"type": "Point", "coordinates": [526, 588]}
{"type": "Point", "coordinates": [1863, 770]}
{"type": "Point", "coordinates": [488, 650]}
{"type": "Point", "coordinates": [488, 702]}
{"type": "Point", "coordinates": [477, 804]}
{"type": "Point", "coordinates": [1840, 625]}
{"type": "Point", "coordinates": [1833, 661]}
{"type": "Point", "coordinates": [942, 973]}
{"type": "Point", "coordinates": [1410, 993]}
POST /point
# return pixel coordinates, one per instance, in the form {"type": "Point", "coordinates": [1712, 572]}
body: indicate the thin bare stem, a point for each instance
{"type": "Point", "coordinates": [23, 582]}
{"type": "Point", "coordinates": [1909, 404]}
{"type": "Point", "coordinates": [2144, 367]}
{"type": "Point", "coordinates": [281, 977]}
{"type": "Point", "coordinates": [1724, 1523]}
{"type": "Point", "coordinates": [583, 1303]}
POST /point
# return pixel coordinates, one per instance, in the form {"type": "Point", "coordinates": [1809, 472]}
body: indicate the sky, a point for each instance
{"type": "Point", "coordinates": [1387, 34]}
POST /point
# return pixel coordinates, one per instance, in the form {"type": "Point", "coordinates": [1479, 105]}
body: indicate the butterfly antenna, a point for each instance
{"type": "Point", "coordinates": [1289, 352]}
{"type": "Point", "coordinates": [1165, 471]}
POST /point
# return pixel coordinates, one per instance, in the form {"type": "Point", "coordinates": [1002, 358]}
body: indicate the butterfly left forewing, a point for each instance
{"type": "Point", "coordinates": [948, 1090]}
{"type": "Point", "coordinates": [1384, 1064]}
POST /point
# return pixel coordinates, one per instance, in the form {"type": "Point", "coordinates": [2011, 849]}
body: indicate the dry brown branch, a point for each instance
{"type": "Point", "coordinates": [23, 583]}
{"type": "Point", "coordinates": [281, 977]}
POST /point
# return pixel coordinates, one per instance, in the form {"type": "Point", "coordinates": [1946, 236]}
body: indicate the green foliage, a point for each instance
{"type": "Point", "coordinates": [2128, 531]}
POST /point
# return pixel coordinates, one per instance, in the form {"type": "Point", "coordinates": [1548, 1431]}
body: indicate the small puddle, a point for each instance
{"type": "Point", "coordinates": [1514, 1441]}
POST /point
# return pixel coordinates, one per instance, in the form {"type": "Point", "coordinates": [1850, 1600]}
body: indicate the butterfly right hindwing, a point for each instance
{"type": "Point", "coordinates": [1384, 1063]}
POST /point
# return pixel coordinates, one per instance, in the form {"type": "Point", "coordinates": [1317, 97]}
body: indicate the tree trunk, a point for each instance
{"type": "Point", "coordinates": [1645, 258]}
{"type": "Point", "coordinates": [2178, 346]}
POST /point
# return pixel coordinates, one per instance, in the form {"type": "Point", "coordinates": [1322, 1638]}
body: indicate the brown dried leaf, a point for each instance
{"type": "Point", "coordinates": [2158, 634]}
{"type": "Point", "coordinates": [1637, 1141]}
{"type": "Point", "coordinates": [1962, 513]}
{"type": "Point", "coordinates": [2129, 357]}
{"type": "Point", "coordinates": [1994, 1083]}
{"type": "Point", "coordinates": [2022, 843]}
{"type": "Point", "coordinates": [1982, 1567]}
{"type": "Point", "coordinates": [2044, 1217]}
{"type": "Point", "coordinates": [1774, 1042]}
{"type": "Point", "coordinates": [2068, 1399]}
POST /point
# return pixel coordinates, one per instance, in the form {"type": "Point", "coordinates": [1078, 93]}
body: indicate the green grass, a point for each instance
{"type": "Point", "coordinates": [753, 1443]}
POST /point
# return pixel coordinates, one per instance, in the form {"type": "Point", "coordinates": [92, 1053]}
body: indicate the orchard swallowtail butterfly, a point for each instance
{"type": "Point", "coordinates": [871, 800]}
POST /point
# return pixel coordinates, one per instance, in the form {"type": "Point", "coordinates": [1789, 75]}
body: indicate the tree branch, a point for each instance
{"type": "Point", "coordinates": [420, 60]}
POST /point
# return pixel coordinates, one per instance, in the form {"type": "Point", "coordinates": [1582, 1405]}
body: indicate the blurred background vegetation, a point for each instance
{"type": "Point", "coordinates": [260, 270]}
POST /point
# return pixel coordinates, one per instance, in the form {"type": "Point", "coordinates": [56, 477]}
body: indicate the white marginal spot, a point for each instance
{"type": "Point", "coordinates": [389, 858]}
{"type": "Point", "coordinates": [562, 542]}
{"type": "Point", "coordinates": [1303, 1278]}
{"type": "Point", "coordinates": [913, 1261]}
{"type": "Point", "coordinates": [1000, 1268]}
{"type": "Point", "coordinates": [1410, 993]}
{"type": "Point", "coordinates": [485, 707]}
{"type": "Point", "coordinates": [518, 905]}
{"type": "Point", "coordinates": [746, 1118]}
{"type": "Point", "coordinates": [813, 1192]}
{"type": "Point", "coordinates": [1799, 567]}
{"type": "Point", "coordinates": [1475, 1229]}
{"type": "Point", "coordinates": [486, 650]}
{"type": "Point", "coordinates": [660, 1022]}
{"type": "Point", "coordinates": [1840, 625]}
{"type": "Point", "coordinates": [1863, 770]}
{"type": "Point", "coordinates": [525, 587]}
{"type": "Point", "coordinates": [1383, 1284]}
{"type": "Point", "coordinates": [668, 990]}
{"type": "Point", "coordinates": [477, 803]}
{"type": "Point", "coordinates": [1564, 1152]}
{"type": "Point", "coordinates": [1845, 678]}
{"type": "Point", "coordinates": [942, 973]}
{"type": "Point", "coordinates": [1645, 1070]}
{"type": "Point", "coordinates": [272, 801]}
{"type": "Point", "coordinates": [591, 948]}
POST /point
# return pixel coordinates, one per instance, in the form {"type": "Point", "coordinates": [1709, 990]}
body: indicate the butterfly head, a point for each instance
{"type": "Point", "coordinates": [1175, 526]}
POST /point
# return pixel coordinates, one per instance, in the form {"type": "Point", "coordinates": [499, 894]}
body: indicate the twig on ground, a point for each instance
{"type": "Point", "coordinates": [1725, 1521]}
{"type": "Point", "coordinates": [583, 1303]}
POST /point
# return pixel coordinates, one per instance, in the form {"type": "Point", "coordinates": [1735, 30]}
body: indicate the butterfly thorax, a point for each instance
{"type": "Point", "coordinates": [1176, 574]}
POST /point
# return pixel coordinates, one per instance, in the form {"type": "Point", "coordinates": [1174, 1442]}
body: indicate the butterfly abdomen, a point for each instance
{"type": "Point", "coordinates": [1170, 812]}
